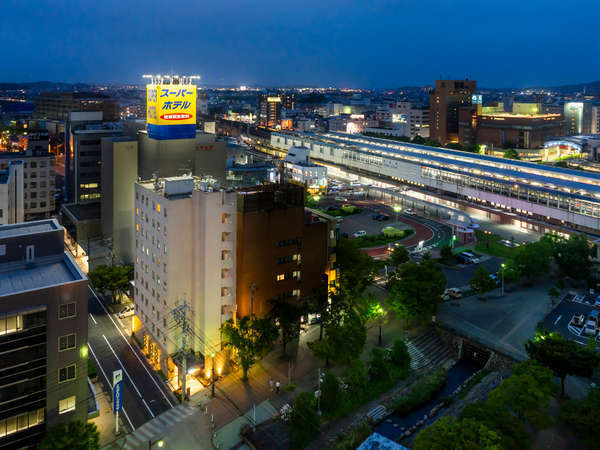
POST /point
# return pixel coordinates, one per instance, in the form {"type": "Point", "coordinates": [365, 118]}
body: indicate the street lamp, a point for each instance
{"type": "Point", "coordinates": [502, 266]}
{"type": "Point", "coordinates": [380, 313]}
{"type": "Point", "coordinates": [159, 443]}
{"type": "Point", "coordinates": [212, 387]}
{"type": "Point", "coordinates": [397, 209]}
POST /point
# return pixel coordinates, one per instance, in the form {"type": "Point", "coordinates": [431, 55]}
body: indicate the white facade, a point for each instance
{"type": "Point", "coordinates": [11, 194]}
{"type": "Point", "coordinates": [297, 162]}
{"type": "Point", "coordinates": [595, 119]}
{"type": "Point", "coordinates": [185, 245]}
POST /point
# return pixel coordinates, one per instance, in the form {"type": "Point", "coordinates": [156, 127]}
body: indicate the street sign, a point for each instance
{"type": "Point", "coordinates": [117, 390]}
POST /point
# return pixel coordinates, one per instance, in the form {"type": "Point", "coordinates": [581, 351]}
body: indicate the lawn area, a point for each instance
{"type": "Point", "coordinates": [490, 244]}
{"type": "Point", "coordinates": [346, 210]}
{"type": "Point", "coordinates": [375, 240]}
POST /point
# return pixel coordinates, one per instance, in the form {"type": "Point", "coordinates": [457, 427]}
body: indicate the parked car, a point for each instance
{"type": "Point", "coordinates": [126, 312]}
{"type": "Point", "coordinates": [590, 328]}
{"type": "Point", "coordinates": [360, 233]}
{"type": "Point", "coordinates": [594, 316]}
{"type": "Point", "coordinates": [454, 292]}
{"type": "Point", "coordinates": [462, 259]}
{"type": "Point", "coordinates": [375, 216]}
{"type": "Point", "coordinates": [474, 259]}
{"type": "Point", "coordinates": [578, 320]}
{"type": "Point", "coordinates": [340, 199]}
{"type": "Point", "coordinates": [409, 211]}
{"type": "Point", "coordinates": [494, 277]}
{"type": "Point", "coordinates": [383, 217]}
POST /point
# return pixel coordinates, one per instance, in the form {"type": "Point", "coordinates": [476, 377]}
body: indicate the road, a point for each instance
{"type": "Point", "coordinates": [144, 394]}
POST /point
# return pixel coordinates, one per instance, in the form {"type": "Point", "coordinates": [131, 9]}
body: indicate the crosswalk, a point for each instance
{"type": "Point", "coordinates": [156, 427]}
{"type": "Point", "coordinates": [417, 358]}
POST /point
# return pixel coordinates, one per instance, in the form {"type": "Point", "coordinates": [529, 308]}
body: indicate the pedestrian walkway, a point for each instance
{"type": "Point", "coordinates": [157, 427]}
{"type": "Point", "coordinates": [229, 435]}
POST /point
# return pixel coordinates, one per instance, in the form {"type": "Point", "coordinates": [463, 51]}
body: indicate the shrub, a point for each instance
{"type": "Point", "coordinates": [92, 371]}
{"type": "Point", "coordinates": [399, 355]}
{"type": "Point", "coordinates": [353, 438]}
{"type": "Point", "coordinates": [378, 369]}
{"type": "Point", "coordinates": [305, 420]}
{"type": "Point", "coordinates": [331, 393]}
{"type": "Point", "coordinates": [421, 393]}
{"type": "Point", "coordinates": [446, 252]}
{"type": "Point", "coordinates": [350, 209]}
{"type": "Point", "coordinates": [392, 232]}
{"type": "Point", "coordinates": [357, 376]}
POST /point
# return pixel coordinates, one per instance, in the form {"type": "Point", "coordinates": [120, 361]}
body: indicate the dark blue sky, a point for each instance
{"type": "Point", "coordinates": [367, 43]}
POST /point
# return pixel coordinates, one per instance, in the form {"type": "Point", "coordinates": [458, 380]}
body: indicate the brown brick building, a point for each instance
{"type": "Point", "coordinates": [445, 101]}
{"type": "Point", "coordinates": [283, 251]}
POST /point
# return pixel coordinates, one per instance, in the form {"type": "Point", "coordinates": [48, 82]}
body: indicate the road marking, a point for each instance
{"type": "Point", "coordinates": [92, 317]}
{"type": "Point", "coordinates": [134, 352]}
{"type": "Point", "coordinates": [109, 383]}
{"type": "Point", "coordinates": [557, 319]}
{"type": "Point", "coordinates": [146, 404]}
{"type": "Point", "coordinates": [122, 367]}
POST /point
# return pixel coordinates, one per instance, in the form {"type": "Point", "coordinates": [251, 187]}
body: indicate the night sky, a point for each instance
{"type": "Point", "coordinates": [368, 43]}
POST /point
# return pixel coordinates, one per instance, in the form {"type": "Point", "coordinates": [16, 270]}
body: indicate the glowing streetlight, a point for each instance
{"type": "Point", "coordinates": [397, 209]}
{"type": "Point", "coordinates": [502, 266]}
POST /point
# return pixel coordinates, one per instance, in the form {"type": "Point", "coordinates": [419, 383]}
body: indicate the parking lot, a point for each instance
{"type": "Point", "coordinates": [460, 276]}
{"type": "Point", "coordinates": [559, 319]}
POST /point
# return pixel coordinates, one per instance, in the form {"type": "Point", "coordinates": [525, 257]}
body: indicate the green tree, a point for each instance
{"type": "Point", "coordinates": [482, 282]}
{"type": "Point", "coordinates": [525, 392]}
{"type": "Point", "coordinates": [399, 355]}
{"type": "Point", "coordinates": [288, 315]}
{"type": "Point", "coordinates": [512, 272]}
{"type": "Point", "coordinates": [446, 252]}
{"type": "Point", "coordinates": [114, 279]}
{"type": "Point", "coordinates": [357, 376]}
{"type": "Point", "coordinates": [563, 356]}
{"type": "Point", "coordinates": [583, 417]}
{"type": "Point", "coordinates": [378, 370]}
{"type": "Point", "coordinates": [376, 314]}
{"type": "Point", "coordinates": [399, 256]}
{"type": "Point", "coordinates": [415, 289]}
{"type": "Point", "coordinates": [250, 338]}
{"type": "Point", "coordinates": [319, 303]}
{"type": "Point", "coordinates": [331, 393]}
{"type": "Point", "coordinates": [510, 429]}
{"type": "Point", "coordinates": [511, 153]}
{"type": "Point", "coordinates": [76, 435]}
{"type": "Point", "coordinates": [573, 257]}
{"type": "Point", "coordinates": [534, 258]}
{"type": "Point", "coordinates": [305, 420]}
{"type": "Point", "coordinates": [465, 434]}
{"type": "Point", "coordinates": [356, 269]}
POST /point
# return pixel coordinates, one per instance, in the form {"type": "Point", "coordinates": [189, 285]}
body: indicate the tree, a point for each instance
{"type": "Point", "coordinates": [463, 434]}
{"type": "Point", "coordinates": [525, 392]}
{"type": "Point", "coordinates": [378, 370]}
{"type": "Point", "coordinates": [415, 289]}
{"type": "Point", "coordinates": [511, 431]}
{"type": "Point", "coordinates": [399, 256]}
{"type": "Point", "coordinates": [534, 258]}
{"type": "Point", "coordinates": [305, 420]}
{"type": "Point", "coordinates": [445, 252]}
{"type": "Point", "coordinates": [482, 282]}
{"type": "Point", "coordinates": [288, 315]}
{"type": "Point", "coordinates": [356, 269]}
{"type": "Point", "coordinates": [573, 257]}
{"type": "Point", "coordinates": [400, 356]}
{"type": "Point", "coordinates": [583, 416]}
{"type": "Point", "coordinates": [112, 278]}
{"type": "Point", "coordinates": [319, 303]}
{"type": "Point", "coordinates": [376, 313]}
{"type": "Point", "coordinates": [511, 153]}
{"type": "Point", "coordinates": [563, 356]}
{"type": "Point", "coordinates": [512, 272]}
{"type": "Point", "coordinates": [76, 435]}
{"type": "Point", "coordinates": [357, 376]}
{"type": "Point", "coordinates": [250, 338]}
{"type": "Point", "coordinates": [331, 393]}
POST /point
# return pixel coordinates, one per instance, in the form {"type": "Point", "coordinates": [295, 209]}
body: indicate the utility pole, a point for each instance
{"type": "Point", "coordinates": [180, 315]}
{"type": "Point", "coordinates": [319, 394]}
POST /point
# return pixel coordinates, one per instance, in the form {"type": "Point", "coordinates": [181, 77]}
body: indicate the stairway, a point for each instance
{"type": "Point", "coordinates": [427, 348]}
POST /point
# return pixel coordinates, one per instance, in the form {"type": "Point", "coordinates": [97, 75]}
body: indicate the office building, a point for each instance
{"type": "Point", "coordinates": [595, 119]}
{"type": "Point", "coordinates": [527, 195]}
{"type": "Point", "coordinates": [578, 117]}
{"type": "Point", "coordinates": [11, 194]}
{"type": "Point", "coordinates": [43, 333]}
{"type": "Point", "coordinates": [444, 103]}
{"type": "Point", "coordinates": [494, 128]}
{"type": "Point", "coordinates": [58, 105]}
{"type": "Point", "coordinates": [270, 108]}
{"type": "Point", "coordinates": [301, 169]}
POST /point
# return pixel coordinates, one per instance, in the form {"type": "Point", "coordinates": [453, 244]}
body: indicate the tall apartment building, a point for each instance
{"type": "Point", "coordinates": [43, 333]}
{"type": "Point", "coordinates": [595, 119]}
{"type": "Point", "coordinates": [58, 105]}
{"type": "Point", "coordinates": [11, 193]}
{"type": "Point", "coordinates": [445, 101]}
{"type": "Point", "coordinates": [185, 250]}
{"type": "Point", "coordinates": [39, 184]}
{"type": "Point", "coordinates": [417, 118]}
{"type": "Point", "coordinates": [270, 107]}
{"type": "Point", "coordinates": [224, 253]}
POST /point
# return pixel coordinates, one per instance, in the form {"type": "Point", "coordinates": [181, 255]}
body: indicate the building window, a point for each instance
{"type": "Point", "coordinates": [66, 405]}
{"type": "Point", "coordinates": [281, 277]}
{"type": "Point", "coordinates": [66, 342]}
{"type": "Point", "coordinates": [66, 373]}
{"type": "Point", "coordinates": [67, 310]}
{"type": "Point", "coordinates": [21, 422]}
{"type": "Point", "coordinates": [30, 252]}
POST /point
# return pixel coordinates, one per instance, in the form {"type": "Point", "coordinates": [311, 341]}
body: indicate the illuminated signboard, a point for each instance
{"type": "Point", "coordinates": [171, 111]}
{"type": "Point", "coordinates": [274, 99]}
{"type": "Point", "coordinates": [477, 99]}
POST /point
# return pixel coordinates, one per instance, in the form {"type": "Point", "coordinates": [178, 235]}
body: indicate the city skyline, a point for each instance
{"type": "Point", "coordinates": [384, 45]}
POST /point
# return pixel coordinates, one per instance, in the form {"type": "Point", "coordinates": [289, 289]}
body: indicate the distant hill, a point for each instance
{"type": "Point", "coordinates": [591, 88]}
{"type": "Point", "coordinates": [43, 85]}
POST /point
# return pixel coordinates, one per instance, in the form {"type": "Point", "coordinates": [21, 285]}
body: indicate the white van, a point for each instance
{"type": "Point", "coordinates": [474, 259]}
{"type": "Point", "coordinates": [360, 233]}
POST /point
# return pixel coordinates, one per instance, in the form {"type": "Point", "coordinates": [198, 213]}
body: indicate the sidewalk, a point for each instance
{"type": "Point", "coordinates": [105, 422]}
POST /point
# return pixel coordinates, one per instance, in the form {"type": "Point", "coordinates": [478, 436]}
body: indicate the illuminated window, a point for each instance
{"type": "Point", "coordinates": [158, 207]}
{"type": "Point", "coordinates": [280, 277]}
{"type": "Point", "coordinates": [66, 405]}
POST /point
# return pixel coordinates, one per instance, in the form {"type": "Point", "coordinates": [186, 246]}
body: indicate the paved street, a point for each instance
{"type": "Point", "coordinates": [144, 395]}
{"type": "Point", "coordinates": [499, 322]}
{"type": "Point", "coordinates": [461, 276]}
